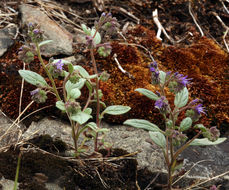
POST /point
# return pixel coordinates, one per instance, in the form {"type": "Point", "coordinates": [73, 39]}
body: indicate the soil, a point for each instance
{"type": "Point", "coordinates": [40, 162]}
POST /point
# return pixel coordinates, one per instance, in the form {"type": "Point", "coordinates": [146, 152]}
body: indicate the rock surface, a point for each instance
{"type": "Point", "coordinates": [62, 39]}
{"type": "Point", "coordinates": [212, 160]}
{"type": "Point", "coordinates": [6, 38]}
{"type": "Point", "coordinates": [9, 134]}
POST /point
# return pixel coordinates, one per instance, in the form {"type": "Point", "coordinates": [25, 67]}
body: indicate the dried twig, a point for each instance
{"type": "Point", "coordinates": [225, 26]}
{"type": "Point", "coordinates": [16, 120]}
{"type": "Point", "coordinates": [125, 12]}
{"type": "Point", "coordinates": [152, 181]}
{"type": "Point", "coordinates": [21, 93]}
{"type": "Point", "coordinates": [194, 19]}
{"type": "Point", "coordinates": [191, 169]}
{"type": "Point", "coordinates": [160, 27]}
{"type": "Point", "coordinates": [121, 69]}
{"type": "Point", "coordinates": [203, 182]}
{"type": "Point", "coordinates": [102, 181]}
{"type": "Point", "coordinates": [224, 6]}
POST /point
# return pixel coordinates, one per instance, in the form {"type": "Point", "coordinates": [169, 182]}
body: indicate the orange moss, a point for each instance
{"type": "Point", "coordinates": [10, 84]}
{"type": "Point", "coordinates": [206, 63]}
{"type": "Point", "coordinates": [203, 61]}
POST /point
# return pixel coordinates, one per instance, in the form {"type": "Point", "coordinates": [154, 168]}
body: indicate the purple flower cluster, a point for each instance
{"type": "Point", "coordinates": [59, 66]}
{"type": "Point", "coordinates": [39, 95]}
{"type": "Point", "coordinates": [162, 105]}
{"type": "Point", "coordinates": [177, 82]}
{"type": "Point", "coordinates": [154, 73]}
{"type": "Point", "coordinates": [109, 24]}
{"type": "Point", "coordinates": [212, 134]}
{"type": "Point", "coordinates": [195, 110]}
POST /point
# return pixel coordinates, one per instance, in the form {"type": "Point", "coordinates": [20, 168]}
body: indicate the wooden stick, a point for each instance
{"type": "Point", "coordinates": [194, 19]}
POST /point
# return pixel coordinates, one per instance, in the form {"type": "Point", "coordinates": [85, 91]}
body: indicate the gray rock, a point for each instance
{"type": "Point", "coordinates": [149, 156]}
{"type": "Point", "coordinates": [6, 38]}
{"type": "Point", "coordinates": [62, 39]}
{"type": "Point", "coordinates": [9, 134]}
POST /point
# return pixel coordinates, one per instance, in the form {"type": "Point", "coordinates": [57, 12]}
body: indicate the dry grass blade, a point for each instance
{"type": "Point", "coordinates": [191, 169]}
{"type": "Point", "coordinates": [16, 120]}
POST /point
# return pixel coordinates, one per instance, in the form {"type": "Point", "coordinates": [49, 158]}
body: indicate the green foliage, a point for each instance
{"type": "Point", "coordinates": [74, 79]}
{"type": "Point", "coordinates": [158, 138]}
{"type": "Point", "coordinates": [142, 124]}
{"type": "Point", "coordinates": [33, 78]}
{"type": "Point", "coordinates": [181, 98]}
{"type": "Point", "coordinates": [149, 94]}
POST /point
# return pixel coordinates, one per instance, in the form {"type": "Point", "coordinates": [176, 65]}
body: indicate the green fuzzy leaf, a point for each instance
{"type": "Point", "coordinates": [70, 68]}
{"type": "Point", "coordinates": [69, 85]}
{"type": "Point", "coordinates": [33, 78]}
{"type": "Point", "coordinates": [45, 42]}
{"type": "Point", "coordinates": [149, 94]}
{"type": "Point", "coordinates": [181, 98]}
{"type": "Point", "coordinates": [116, 110]}
{"type": "Point", "coordinates": [88, 111]}
{"type": "Point", "coordinates": [142, 124]}
{"type": "Point", "coordinates": [201, 127]}
{"type": "Point", "coordinates": [92, 125]}
{"type": "Point", "coordinates": [86, 29]}
{"type": "Point", "coordinates": [158, 138]}
{"type": "Point", "coordinates": [82, 71]}
{"type": "Point", "coordinates": [205, 142]}
{"type": "Point", "coordinates": [81, 117]}
{"type": "Point", "coordinates": [162, 76]}
{"type": "Point", "coordinates": [102, 130]}
{"type": "Point", "coordinates": [74, 93]}
{"type": "Point", "coordinates": [186, 123]}
{"type": "Point", "coordinates": [97, 38]}
{"type": "Point", "coordinates": [60, 105]}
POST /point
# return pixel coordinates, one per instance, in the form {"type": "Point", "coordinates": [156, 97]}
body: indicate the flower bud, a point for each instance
{"type": "Point", "coordinates": [212, 134]}
{"type": "Point", "coordinates": [104, 50]}
{"type": "Point", "coordinates": [162, 105]}
{"type": "Point", "coordinates": [177, 82]}
{"type": "Point", "coordinates": [104, 76]}
{"type": "Point", "coordinates": [56, 69]}
{"type": "Point", "coordinates": [195, 112]}
{"type": "Point", "coordinates": [26, 54]}
{"type": "Point", "coordinates": [155, 73]}
{"type": "Point", "coordinates": [39, 95]}
{"type": "Point", "coordinates": [72, 107]}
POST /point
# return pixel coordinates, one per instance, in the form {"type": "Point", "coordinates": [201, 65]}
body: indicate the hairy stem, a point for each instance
{"type": "Point", "coordinates": [97, 96]}
{"type": "Point", "coordinates": [47, 72]}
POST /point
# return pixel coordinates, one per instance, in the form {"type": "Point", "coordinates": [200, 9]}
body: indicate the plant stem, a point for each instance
{"type": "Point", "coordinates": [17, 172]}
{"type": "Point", "coordinates": [177, 153]}
{"type": "Point", "coordinates": [97, 96]}
{"type": "Point", "coordinates": [47, 72]}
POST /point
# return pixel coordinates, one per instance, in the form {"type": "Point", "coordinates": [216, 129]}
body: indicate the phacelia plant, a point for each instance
{"type": "Point", "coordinates": [173, 139]}
{"type": "Point", "coordinates": [74, 78]}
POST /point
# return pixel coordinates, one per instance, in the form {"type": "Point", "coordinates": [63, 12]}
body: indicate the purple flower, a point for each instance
{"type": "Point", "coordinates": [194, 102]}
{"type": "Point", "coordinates": [155, 73]}
{"type": "Point", "coordinates": [153, 66]}
{"type": "Point", "coordinates": [34, 92]}
{"type": "Point", "coordinates": [199, 109]}
{"type": "Point", "coordinates": [103, 14]}
{"type": "Point", "coordinates": [213, 188]}
{"type": "Point", "coordinates": [39, 95]}
{"type": "Point", "coordinates": [30, 24]}
{"type": "Point", "coordinates": [195, 112]}
{"type": "Point", "coordinates": [177, 82]}
{"type": "Point", "coordinates": [36, 31]}
{"type": "Point", "coordinates": [162, 105]}
{"type": "Point", "coordinates": [59, 65]}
